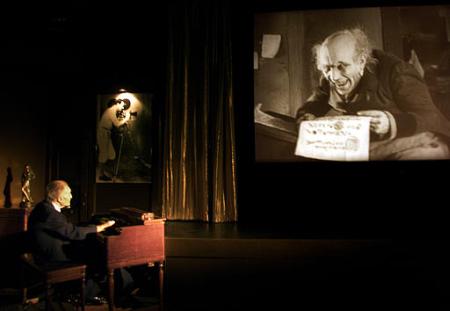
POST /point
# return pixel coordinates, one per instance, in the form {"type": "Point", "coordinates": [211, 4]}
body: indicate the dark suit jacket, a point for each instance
{"type": "Point", "coordinates": [51, 233]}
{"type": "Point", "coordinates": [390, 85]}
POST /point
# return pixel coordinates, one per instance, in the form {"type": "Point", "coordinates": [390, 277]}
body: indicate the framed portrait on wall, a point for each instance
{"type": "Point", "coordinates": [123, 138]}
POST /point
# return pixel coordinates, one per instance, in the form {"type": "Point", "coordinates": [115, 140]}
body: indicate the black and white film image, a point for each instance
{"type": "Point", "coordinates": [124, 146]}
{"type": "Point", "coordinates": [359, 84]}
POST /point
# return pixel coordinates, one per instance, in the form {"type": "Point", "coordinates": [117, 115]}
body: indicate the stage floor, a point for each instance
{"type": "Point", "coordinates": [275, 267]}
{"type": "Point", "coordinates": [248, 267]}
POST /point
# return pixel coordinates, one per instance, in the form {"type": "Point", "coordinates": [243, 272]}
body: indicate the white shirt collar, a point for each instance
{"type": "Point", "coordinates": [56, 206]}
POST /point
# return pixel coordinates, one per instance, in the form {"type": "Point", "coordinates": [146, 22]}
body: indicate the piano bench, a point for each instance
{"type": "Point", "coordinates": [54, 274]}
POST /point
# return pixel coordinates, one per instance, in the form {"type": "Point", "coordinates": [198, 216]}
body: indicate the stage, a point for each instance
{"type": "Point", "coordinates": [251, 267]}
{"type": "Point", "coordinates": [271, 267]}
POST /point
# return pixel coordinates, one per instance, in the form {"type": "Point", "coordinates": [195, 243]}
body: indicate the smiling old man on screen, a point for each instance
{"type": "Point", "coordinates": [356, 80]}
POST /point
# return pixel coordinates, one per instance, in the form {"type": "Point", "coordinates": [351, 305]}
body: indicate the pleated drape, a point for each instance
{"type": "Point", "coordinates": [198, 136]}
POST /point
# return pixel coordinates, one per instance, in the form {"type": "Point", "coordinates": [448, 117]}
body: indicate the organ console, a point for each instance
{"type": "Point", "coordinates": [137, 238]}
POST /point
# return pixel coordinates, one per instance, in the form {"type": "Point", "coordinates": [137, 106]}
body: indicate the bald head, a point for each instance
{"type": "Point", "coordinates": [339, 47]}
{"type": "Point", "coordinates": [58, 191]}
{"type": "Point", "coordinates": [342, 57]}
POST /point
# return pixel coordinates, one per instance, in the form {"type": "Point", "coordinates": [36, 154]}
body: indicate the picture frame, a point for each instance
{"type": "Point", "coordinates": [123, 138]}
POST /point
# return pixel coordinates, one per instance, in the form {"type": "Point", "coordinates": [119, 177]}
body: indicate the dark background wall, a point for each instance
{"type": "Point", "coordinates": [54, 61]}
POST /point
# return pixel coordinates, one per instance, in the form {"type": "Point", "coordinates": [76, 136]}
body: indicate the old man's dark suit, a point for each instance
{"type": "Point", "coordinates": [51, 233]}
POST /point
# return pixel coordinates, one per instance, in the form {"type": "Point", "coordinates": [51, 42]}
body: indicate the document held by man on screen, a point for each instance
{"type": "Point", "coordinates": [340, 138]}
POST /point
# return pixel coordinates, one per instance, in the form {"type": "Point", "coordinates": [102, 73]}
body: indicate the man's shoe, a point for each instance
{"type": "Point", "coordinates": [96, 301]}
{"type": "Point", "coordinates": [135, 291]}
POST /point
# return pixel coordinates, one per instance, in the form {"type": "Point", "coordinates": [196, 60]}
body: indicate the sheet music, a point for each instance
{"type": "Point", "coordinates": [341, 138]}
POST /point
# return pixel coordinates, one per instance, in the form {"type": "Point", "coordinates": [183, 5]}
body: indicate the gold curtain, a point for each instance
{"type": "Point", "coordinates": [198, 138]}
